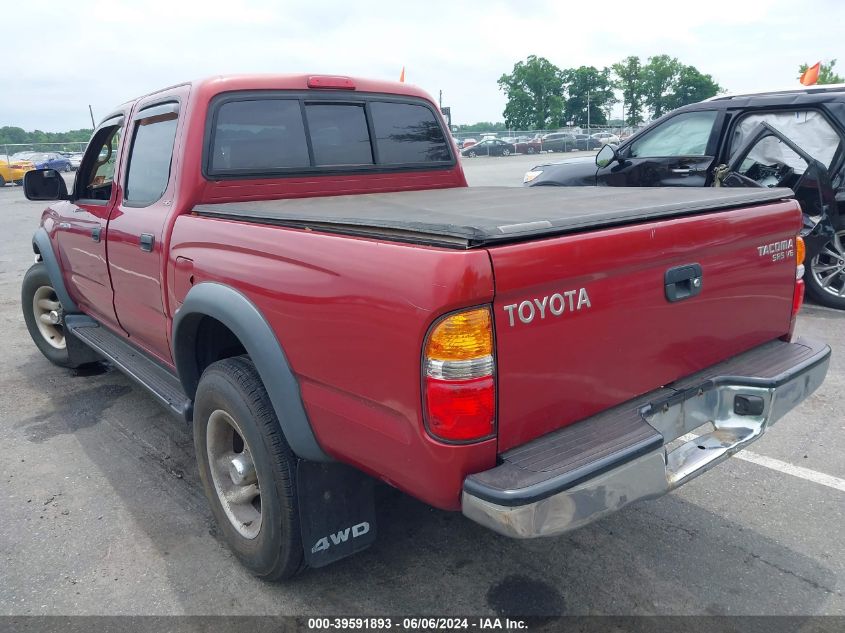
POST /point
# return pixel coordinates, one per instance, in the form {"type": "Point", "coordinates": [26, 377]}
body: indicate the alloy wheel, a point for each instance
{"type": "Point", "coordinates": [233, 474]}
{"type": "Point", "coordinates": [828, 266]}
{"type": "Point", "coordinates": [49, 316]}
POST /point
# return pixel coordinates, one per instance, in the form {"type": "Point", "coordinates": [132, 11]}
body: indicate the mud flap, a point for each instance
{"type": "Point", "coordinates": [336, 511]}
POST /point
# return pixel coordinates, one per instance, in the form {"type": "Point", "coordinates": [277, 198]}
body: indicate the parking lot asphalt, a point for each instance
{"type": "Point", "coordinates": [102, 512]}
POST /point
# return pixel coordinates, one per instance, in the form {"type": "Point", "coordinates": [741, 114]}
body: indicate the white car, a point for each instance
{"type": "Point", "coordinates": [606, 137]}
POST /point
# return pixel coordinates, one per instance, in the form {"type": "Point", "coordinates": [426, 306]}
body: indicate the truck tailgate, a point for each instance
{"type": "Point", "coordinates": [585, 321]}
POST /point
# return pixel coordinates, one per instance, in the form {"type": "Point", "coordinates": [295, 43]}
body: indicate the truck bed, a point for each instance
{"type": "Point", "coordinates": [474, 217]}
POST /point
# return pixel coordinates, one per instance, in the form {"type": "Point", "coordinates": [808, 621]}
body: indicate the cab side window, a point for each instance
{"type": "Point", "coordinates": [686, 134]}
{"type": "Point", "coordinates": [96, 174]}
{"type": "Point", "coordinates": [150, 156]}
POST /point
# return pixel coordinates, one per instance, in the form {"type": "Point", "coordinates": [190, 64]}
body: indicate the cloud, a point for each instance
{"type": "Point", "coordinates": [106, 52]}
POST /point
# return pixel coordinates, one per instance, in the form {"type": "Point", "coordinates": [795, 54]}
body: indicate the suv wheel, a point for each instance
{"type": "Point", "coordinates": [44, 315]}
{"type": "Point", "coordinates": [825, 276]}
{"type": "Point", "coordinates": [248, 471]}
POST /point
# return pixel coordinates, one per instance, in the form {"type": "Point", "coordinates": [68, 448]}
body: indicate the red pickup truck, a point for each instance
{"type": "Point", "coordinates": [296, 267]}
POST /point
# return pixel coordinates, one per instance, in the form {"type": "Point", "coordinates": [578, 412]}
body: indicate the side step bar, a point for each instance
{"type": "Point", "coordinates": [146, 371]}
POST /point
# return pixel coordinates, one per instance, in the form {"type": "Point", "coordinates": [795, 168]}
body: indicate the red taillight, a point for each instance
{"type": "Point", "coordinates": [460, 410]}
{"type": "Point", "coordinates": [326, 81]}
{"type": "Point", "coordinates": [798, 290]}
{"type": "Point", "coordinates": [459, 388]}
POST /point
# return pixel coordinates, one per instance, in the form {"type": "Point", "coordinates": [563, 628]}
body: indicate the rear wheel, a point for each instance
{"type": "Point", "coordinates": [19, 182]}
{"type": "Point", "coordinates": [531, 150]}
{"type": "Point", "coordinates": [506, 152]}
{"type": "Point", "coordinates": [825, 275]}
{"type": "Point", "coordinates": [44, 315]}
{"type": "Point", "coordinates": [472, 154]}
{"type": "Point", "coordinates": [247, 469]}
{"type": "Point", "coordinates": [2, 181]}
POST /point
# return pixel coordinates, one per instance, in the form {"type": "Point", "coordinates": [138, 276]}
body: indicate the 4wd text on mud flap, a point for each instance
{"type": "Point", "coordinates": [340, 537]}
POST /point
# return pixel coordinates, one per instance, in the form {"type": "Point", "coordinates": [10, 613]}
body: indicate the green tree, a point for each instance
{"type": "Point", "coordinates": [658, 79]}
{"type": "Point", "coordinates": [534, 93]}
{"type": "Point", "coordinates": [691, 86]}
{"type": "Point", "coordinates": [587, 84]}
{"type": "Point", "coordinates": [629, 79]}
{"type": "Point", "coordinates": [826, 74]}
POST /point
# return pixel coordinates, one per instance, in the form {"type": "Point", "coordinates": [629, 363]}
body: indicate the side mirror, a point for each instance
{"type": "Point", "coordinates": [44, 184]}
{"type": "Point", "coordinates": [607, 154]}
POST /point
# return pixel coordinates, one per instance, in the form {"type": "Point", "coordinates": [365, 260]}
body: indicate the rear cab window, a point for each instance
{"type": "Point", "coordinates": [255, 135]}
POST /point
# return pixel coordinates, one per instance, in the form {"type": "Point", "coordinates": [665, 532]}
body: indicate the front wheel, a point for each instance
{"type": "Point", "coordinates": [531, 150]}
{"type": "Point", "coordinates": [472, 154]}
{"type": "Point", "coordinates": [506, 152]}
{"type": "Point", "coordinates": [44, 315]}
{"type": "Point", "coordinates": [248, 471]}
{"type": "Point", "coordinates": [825, 276]}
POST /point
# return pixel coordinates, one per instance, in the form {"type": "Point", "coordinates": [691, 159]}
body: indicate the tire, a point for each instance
{"type": "Point", "coordinates": [67, 169]}
{"type": "Point", "coordinates": [233, 415]}
{"type": "Point", "coordinates": [531, 150]}
{"type": "Point", "coordinates": [825, 274]}
{"type": "Point", "coordinates": [44, 316]}
{"type": "Point", "coordinates": [2, 181]}
{"type": "Point", "coordinates": [506, 152]}
{"type": "Point", "coordinates": [18, 183]}
{"type": "Point", "coordinates": [472, 154]}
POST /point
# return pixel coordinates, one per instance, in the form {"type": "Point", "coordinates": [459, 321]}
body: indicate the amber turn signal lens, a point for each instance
{"type": "Point", "coordinates": [800, 251]}
{"type": "Point", "coordinates": [462, 336]}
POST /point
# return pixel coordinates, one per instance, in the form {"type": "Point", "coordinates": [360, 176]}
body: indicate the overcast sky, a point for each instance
{"type": "Point", "coordinates": [59, 57]}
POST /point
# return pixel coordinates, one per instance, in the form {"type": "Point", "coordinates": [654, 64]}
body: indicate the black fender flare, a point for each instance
{"type": "Point", "coordinates": [42, 246]}
{"type": "Point", "coordinates": [242, 317]}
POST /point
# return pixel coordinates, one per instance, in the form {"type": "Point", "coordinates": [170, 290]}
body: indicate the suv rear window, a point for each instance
{"type": "Point", "coordinates": [266, 135]}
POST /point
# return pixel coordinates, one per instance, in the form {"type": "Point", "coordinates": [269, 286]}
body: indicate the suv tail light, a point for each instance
{"type": "Point", "coordinates": [459, 388]}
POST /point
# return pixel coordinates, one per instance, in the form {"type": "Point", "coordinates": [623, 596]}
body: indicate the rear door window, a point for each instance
{"type": "Point", "coordinates": [149, 159]}
{"type": "Point", "coordinates": [808, 129]}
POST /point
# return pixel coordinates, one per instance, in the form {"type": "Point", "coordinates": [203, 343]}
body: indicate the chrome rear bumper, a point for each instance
{"type": "Point", "coordinates": [533, 493]}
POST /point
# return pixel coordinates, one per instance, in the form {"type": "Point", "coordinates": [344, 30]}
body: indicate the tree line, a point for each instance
{"type": "Point", "coordinates": [542, 96]}
{"type": "Point", "coordinates": [14, 135]}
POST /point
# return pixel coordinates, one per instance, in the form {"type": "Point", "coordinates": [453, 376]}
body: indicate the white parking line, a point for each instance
{"type": "Point", "coordinates": [784, 467]}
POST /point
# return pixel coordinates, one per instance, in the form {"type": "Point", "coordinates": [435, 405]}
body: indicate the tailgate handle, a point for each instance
{"type": "Point", "coordinates": [683, 282]}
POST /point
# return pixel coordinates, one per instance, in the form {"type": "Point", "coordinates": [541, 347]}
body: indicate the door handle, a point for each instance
{"type": "Point", "coordinates": [95, 233]}
{"type": "Point", "coordinates": [146, 242]}
{"type": "Point", "coordinates": [682, 282]}
{"type": "Point", "coordinates": [681, 170]}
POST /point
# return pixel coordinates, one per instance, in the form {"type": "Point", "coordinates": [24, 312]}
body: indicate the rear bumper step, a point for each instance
{"type": "Point", "coordinates": [585, 471]}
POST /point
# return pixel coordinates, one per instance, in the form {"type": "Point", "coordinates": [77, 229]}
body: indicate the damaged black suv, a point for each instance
{"type": "Point", "coordinates": [793, 138]}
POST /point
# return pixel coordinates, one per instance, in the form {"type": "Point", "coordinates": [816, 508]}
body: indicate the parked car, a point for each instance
{"type": "Point", "coordinates": [585, 142]}
{"type": "Point", "coordinates": [606, 137]}
{"type": "Point", "coordinates": [489, 147]}
{"type": "Point", "coordinates": [13, 171]}
{"type": "Point", "coordinates": [50, 160]}
{"type": "Point", "coordinates": [528, 357]}
{"type": "Point", "coordinates": [559, 142]}
{"type": "Point", "coordinates": [75, 159]}
{"type": "Point", "coordinates": [529, 146]}
{"type": "Point", "coordinates": [694, 146]}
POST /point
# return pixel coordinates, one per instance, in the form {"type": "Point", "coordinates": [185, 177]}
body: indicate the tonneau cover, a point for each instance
{"type": "Point", "coordinates": [483, 216]}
